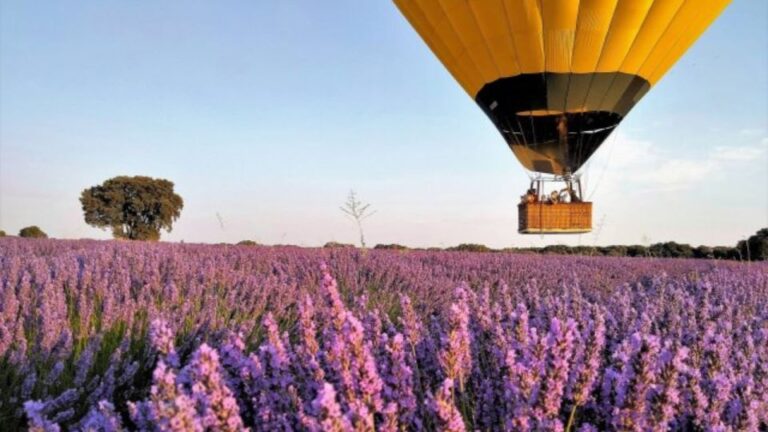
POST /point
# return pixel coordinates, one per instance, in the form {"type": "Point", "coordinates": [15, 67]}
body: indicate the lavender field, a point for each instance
{"type": "Point", "coordinates": [107, 336]}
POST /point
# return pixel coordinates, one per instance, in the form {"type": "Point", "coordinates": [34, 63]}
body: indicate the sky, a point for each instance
{"type": "Point", "coordinates": [266, 114]}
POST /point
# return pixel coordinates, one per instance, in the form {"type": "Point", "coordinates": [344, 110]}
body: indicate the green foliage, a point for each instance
{"type": "Point", "coordinates": [705, 252]}
{"type": "Point", "coordinates": [637, 251]}
{"type": "Point", "coordinates": [755, 248]}
{"type": "Point", "coordinates": [523, 251]}
{"type": "Point", "coordinates": [32, 232]}
{"type": "Point", "coordinates": [586, 250]}
{"type": "Point", "coordinates": [332, 245]}
{"type": "Point", "coordinates": [614, 251]}
{"type": "Point", "coordinates": [725, 252]}
{"type": "Point", "coordinates": [470, 247]}
{"type": "Point", "coordinates": [247, 243]}
{"type": "Point", "coordinates": [671, 250]}
{"type": "Point", "coordinates": [392, 246]}
{"type": "Point", "coordinates": [135, 208]}
{"type": "Point", "coordinates": [2, 233]}
{"type": "Point", "coordinates": [557, 250]}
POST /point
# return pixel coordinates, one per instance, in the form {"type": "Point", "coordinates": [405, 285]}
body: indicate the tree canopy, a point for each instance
{"type": "Point", "coordinates": [32, 232]}
{"type": "Point", "coordinates": [135, 208]}
{"type": "Point", "coordinates": [755, 248]}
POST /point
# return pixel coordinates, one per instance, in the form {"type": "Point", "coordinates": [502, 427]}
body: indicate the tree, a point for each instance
{"type": "Point", "coordinates": [755, 248]}
{"type": "Point", "coordinates": [671, 249]}
{"type": "Point", "coordinates": [703, 251]}
{"type": "Point", "coordinates": [32, 232]}
{"type": "Point", "coordinates": [586, 250]}
{"type": "Point", "coordinates": [392, 246]}
{"type": "Point", "coordinates": [614, 250]}
{"type": "Point", "coordinates": [557, 249]}
{"type": "Point", "coordinates": [470, 247]}
{"type": "Point", "coordinates": [135, 208]}
{"type": "Point", "coordinates": [337, 245]}
{"type": "Point", "coordinates": [725, 252]}
{"type": "Point", "coordinates": [2, 233]}
{"type": "Point", "coordinates": [358, 212]}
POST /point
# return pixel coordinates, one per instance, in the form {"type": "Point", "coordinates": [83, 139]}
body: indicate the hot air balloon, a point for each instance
{"type": "Point", "coordinates": [556, 77]}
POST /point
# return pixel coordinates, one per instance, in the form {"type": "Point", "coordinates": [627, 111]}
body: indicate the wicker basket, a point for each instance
{"type": "Point", "coordinates": [561, 218]}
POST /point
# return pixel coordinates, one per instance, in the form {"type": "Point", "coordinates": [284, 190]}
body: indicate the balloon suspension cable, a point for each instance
{"type": "Point", "coordinates": [611, 146]}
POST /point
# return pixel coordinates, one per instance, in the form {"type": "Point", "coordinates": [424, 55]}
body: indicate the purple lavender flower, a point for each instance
{"type": "Point", "coordinates": [161, 338]}
{"type": "Point", "coordinates": [6, 338]}
{"type": "Point", "coordinates": [672, 345]}
{"type": "Point", "coordinates": [409, 321]}
{"type": "Point", "coordinates": [272, 377]}
{"type": "Point", "coordinates": [455, 357]}
{"type": "Point", "coordinates": [398, 378]}
{"type": "Point", "coordinates": [666, 397]}
{"type": "Point", "coordinates": [328, 415]}
{"type": "Point", "coordinates": [587, 368]}
{"type": "Point", "coordinates": [560, 345]}
{"type": "Point", "coordinates": [169, 408]}
{"type": "Point", "coordinates": [637, 380]}
{"type": "Point", "coordinates": [37, 420]}
{"type": "Point", "coordinates": [101, 418]}
{"type": "Point", "coordinates": [85, 362]}
{"type": "Point", "coordinates": [447, 417]}
{"type": "Point", "coordinates": [215, 405]}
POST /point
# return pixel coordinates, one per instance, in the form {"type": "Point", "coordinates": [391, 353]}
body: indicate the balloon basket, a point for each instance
{"type": "Point", "coordinates": [561, 211]}
{"type": "Point", "coordinates": [554, 218]}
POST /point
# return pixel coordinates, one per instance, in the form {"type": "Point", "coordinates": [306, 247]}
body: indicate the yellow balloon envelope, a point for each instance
{"type": "Point", "coordinates": [557, 76]}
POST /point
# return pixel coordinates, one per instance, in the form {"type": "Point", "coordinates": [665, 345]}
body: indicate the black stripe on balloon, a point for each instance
{"type": "Point", "coordinates": [528, 111]}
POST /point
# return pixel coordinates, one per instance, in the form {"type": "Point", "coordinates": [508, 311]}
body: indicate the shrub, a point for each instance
{"type": "Point", "coordinates": [671, 250]}
{"type": "Point", "coordinates": [470, 247]}
{"type": "Point", "coordinates": [2, 233]}
{"type": "Point", "coordinates": [637, 251]}
{"type": "Point", "coordinates": [392, 246]}
{"type": "Point", "coordinates": [556, 249]}
{"type": "Point", "coordinates": [725, 252]}
{"type": "Point", "coordinates": [703, 252]}
{"type": "Point", "coordinates": [520, 251]}
{"type": "Point", "coordinates": [32, 232]}
{"type": "Point", "coordinates": [585, 250]}
{"type": "Point", "coordinates": [247, 243]}
{"type": "Point", "coordinates": [337, 245]}
{"type": "Point", "coordinates": [614, 251]}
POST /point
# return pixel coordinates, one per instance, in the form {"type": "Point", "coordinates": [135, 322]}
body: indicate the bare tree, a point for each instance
{"type": "Point", "coordinates": [357, 211]}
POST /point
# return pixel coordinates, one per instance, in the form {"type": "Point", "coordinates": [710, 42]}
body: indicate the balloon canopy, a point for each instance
{"type": "Point", "coordinates": [557, 76]}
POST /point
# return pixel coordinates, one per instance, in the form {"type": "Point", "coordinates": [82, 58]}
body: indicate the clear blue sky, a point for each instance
{"type": "Point", "coordinates": [267, 113]}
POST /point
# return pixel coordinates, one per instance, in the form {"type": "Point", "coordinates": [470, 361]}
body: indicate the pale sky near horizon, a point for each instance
{"type": "Point", "coordinates": [265, 114]}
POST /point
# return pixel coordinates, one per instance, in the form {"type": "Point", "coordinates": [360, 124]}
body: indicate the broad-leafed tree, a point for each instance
{"type": "Point", "coordinates": [134, 208]}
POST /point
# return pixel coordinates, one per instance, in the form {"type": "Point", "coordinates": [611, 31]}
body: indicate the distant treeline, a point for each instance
{"type": "Point", "coordinates": [665, 250]}
{"type": "Point", "coordinates": [753, 249]}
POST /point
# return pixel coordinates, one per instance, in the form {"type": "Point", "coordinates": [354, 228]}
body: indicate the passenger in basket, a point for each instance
{"type": "Point", "coordinates": [554, 197]}
{"type": "Point", "coordinates": [529, 197]}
